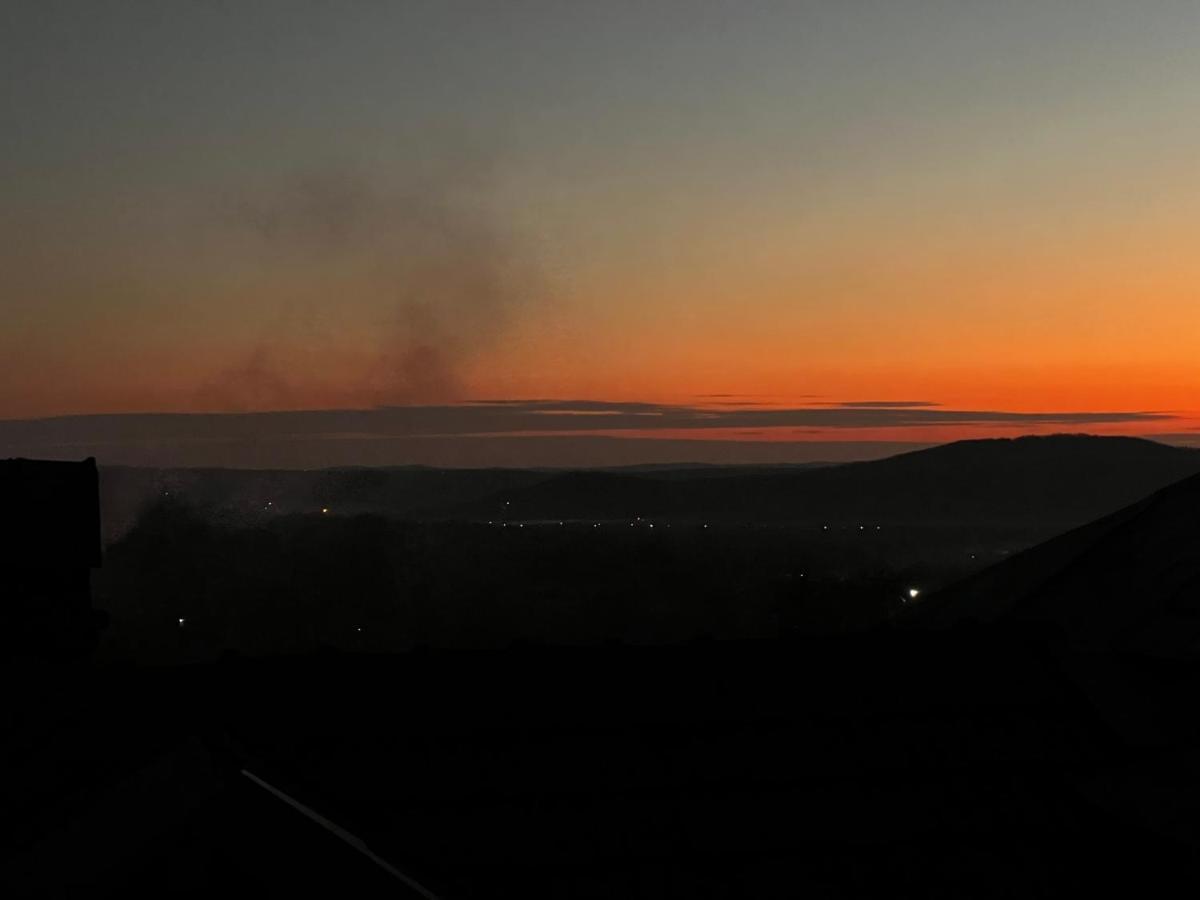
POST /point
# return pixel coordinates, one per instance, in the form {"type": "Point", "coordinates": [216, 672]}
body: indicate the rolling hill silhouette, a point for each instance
{"type": "Point", "coordinates": [1056, 481]}
{"type": "Point", "coordinates": [1049, 483]}
{"type": "Point", "coordinates": [1129, 582]}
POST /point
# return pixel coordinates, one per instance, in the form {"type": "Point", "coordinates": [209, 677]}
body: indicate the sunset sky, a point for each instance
{"type": "Point", "coordinates": [886, 223]}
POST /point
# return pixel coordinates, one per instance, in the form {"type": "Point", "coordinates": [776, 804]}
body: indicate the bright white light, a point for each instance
{"type": "Point", "coordinates": [181, 621]}
{"type": "Point", "coordinates": [651, 524]}
{"type": "Point", "coordinates": [324, 510]}
{"type": "Point", "coordinates": [912, 593]}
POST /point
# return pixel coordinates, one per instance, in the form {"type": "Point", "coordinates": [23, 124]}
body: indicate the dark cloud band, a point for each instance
{"type": "Point", "coordinates": [514, 417]}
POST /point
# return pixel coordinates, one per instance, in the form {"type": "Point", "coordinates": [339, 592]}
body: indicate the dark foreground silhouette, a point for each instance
{"type": "Point", "coordinates": [977, 764]}
{"type": "Point", "coordinates": [951, 754]}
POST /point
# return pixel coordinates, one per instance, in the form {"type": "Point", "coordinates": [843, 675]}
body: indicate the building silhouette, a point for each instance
{"type": "Point", "coordinates": [49, 543]}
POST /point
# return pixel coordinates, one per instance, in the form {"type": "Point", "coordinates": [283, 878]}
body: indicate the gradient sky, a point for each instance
{"type": "Point", "coordinates": [222, 207]}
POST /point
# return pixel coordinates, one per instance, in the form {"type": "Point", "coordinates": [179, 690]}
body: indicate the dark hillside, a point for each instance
{"type": "Point", "coordinates": [1128, 582]}
{"type": "Point", "coordinates": [1054, 481]}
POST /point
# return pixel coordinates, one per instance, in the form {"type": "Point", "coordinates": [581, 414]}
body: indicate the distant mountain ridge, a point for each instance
{"type": "Point", "coordinates": [1054, 483]}
{"type": "Point", "coordinates": [1060, 480]}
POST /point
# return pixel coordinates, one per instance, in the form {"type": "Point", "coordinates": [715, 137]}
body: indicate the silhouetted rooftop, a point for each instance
{"type": "Point", "coordinates": [50, 515]}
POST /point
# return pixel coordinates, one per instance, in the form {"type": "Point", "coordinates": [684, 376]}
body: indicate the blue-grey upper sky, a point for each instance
{"type": "Point", "coordinates": [219, 206]}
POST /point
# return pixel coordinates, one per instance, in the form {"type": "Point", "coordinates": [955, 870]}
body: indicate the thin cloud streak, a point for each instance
{"type": "Point", "coordinates": [519, 416]}
{"type": "Point", "coordinates": [881, 404]}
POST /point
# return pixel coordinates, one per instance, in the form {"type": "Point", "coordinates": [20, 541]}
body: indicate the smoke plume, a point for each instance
{"type": "Point", "coordinates": [425, 276]}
